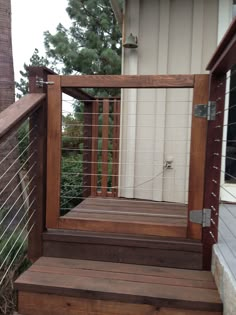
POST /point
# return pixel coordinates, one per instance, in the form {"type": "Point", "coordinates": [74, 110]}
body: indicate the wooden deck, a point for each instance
{"type": "Point", "coordinates": [119, 215]}
{"type": "Point", "coordinates": [59, 286]}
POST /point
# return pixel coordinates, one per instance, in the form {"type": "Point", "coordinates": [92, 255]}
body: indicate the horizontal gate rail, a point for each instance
{"type": "Point", "coordinates": [128, 81]}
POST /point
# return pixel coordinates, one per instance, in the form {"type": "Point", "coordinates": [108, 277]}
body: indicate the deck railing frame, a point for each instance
{"type": "Point", "coordinates": [31, 106]}
{"type": "Point", "coordinates": [221, 62]}
{"type": "Point", "coordinates": [45, 112]}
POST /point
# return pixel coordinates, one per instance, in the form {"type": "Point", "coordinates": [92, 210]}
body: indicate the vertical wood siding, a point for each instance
{"type": "Point", "coordinates": [174, 37]}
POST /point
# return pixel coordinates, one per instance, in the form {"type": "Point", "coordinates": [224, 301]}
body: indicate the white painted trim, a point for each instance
{"type": "Point", "coordinates": [225, 14]}
{"type": "Point", "coordinates": [128, 116]}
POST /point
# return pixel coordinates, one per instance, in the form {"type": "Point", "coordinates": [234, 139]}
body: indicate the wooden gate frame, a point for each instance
{"type": "Point", "coordinates": [198, 143]}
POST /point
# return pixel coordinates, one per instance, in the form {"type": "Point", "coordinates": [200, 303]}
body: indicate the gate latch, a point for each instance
{"type": "Point", "coordinates": [205, 110]}
{"type": "Point", "coordinates": [202, 217]}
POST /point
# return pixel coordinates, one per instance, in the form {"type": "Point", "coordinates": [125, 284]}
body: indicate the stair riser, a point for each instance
{"type": "Point", "coordinates": [44, 304]}
{"type": "Point", "coordinates": [165, 257]}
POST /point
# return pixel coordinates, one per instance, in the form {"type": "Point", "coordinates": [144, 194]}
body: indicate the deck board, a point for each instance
{"type": "Point", "coordinates": [123, 283]}
{"type": "Point", "coordinates": [115, 215]}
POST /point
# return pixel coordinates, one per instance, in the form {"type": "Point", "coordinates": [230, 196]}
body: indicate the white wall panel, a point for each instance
{"type": "Point", "coordinates": [174, 37]}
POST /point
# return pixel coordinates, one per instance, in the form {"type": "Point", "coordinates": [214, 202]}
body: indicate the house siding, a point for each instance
{"type": "Point", "coordinates": [174, 37]}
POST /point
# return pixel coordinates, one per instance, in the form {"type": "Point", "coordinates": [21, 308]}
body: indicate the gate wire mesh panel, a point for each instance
{"type": "Point", "coordinates": [135, 147]}
{"type": "Point", "coordinates": [224, 172]}
{"type": "Point", "coordinates": [17, 206]}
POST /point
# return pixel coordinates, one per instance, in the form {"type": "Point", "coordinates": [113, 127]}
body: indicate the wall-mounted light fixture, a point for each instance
{"type": "Point", "coordinates": [131, 41]}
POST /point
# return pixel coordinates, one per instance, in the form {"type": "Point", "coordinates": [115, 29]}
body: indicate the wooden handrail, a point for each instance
{"type": "Point", "coordinates": [18, 111]}
{"type": "Point", "coordinates": [224, 56]}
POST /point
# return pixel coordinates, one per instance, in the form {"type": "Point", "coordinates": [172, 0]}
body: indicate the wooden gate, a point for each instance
{"type": "Point", "coordinates": [199, 83]}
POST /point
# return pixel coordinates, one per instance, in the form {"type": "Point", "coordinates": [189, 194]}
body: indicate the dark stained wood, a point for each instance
{"type": "Point", "coordinates": [184, 289]}
{"type": "Point", "coordinates": [179, 277]}
{"type": "Point", "coordinates": [156, 251]}
{"type": "Point", "coordinates": [197, 155]}
{"type": "Point", "coordinates": [54, 152]}
{"type": "Point", "coordinates": [139, 274]}
{"type": "Point", "coordinates": [51, 304]}
{"type": "Point", "coordinates": [136, 205]}
{"type": "Point", "coordinates": [94, 161]}
{"type": "Point", "coordinates": [37, 165]}
{"type": "Point", "coordinates": [35, 73]}
{"type": "Point", "coordinates": [123, 218]}
{"type": "Point", "coordinates": [105, 143]}
{"type": "Point", "coordinates": [224, 57]}
{"type": "Point", "coordinates": [138, 228]}
{"type": "Point", "coordinates": [166, 253]}
{"type": "Point", "coordinates": [128, 81]}
{"type": "Point", "coordinates": [87, 148]}
{"type": "Point", "coordinates": [12, 116]}
{"type": "Point", "coordinates": [115, 147]}
{"type": "Point", "coordinates": [112, 239]}
{"type": "Point", "coordinates": [38, 121]}
{"type": "Point", "coordinates": [213, 166]}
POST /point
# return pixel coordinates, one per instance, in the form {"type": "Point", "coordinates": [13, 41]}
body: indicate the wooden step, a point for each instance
{"type": "Point", "coordinates": [142, 250]}
{"type": "Point", "coordinates": [120, 215]}
{"type": "Point", "coordinates": [59, 286]}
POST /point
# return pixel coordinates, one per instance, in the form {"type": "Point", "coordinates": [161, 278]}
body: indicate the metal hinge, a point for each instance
{"type": "Point", "coordinates": [40, 82]}
{"type": "Point", "coordinates": [205, 110]}
{"type": "Point", "coordinates": [202, 217]}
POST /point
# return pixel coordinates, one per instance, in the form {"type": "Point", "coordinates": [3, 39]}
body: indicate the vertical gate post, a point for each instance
{"type": "Point", "coordinates": [213, 166]}
{"type": "Point", "coordinates": [54, 151]}
{"type": "Point", "coordinates": [197, 155]}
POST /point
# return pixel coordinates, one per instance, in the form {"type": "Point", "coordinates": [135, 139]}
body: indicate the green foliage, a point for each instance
{"type": "Point", "coordinates": [92, 45]}
{"type": "Point", "coordinates": [13, 248]}
{"type": "Point", "coordinates": [71, 181]}
{"type": "Point", "coordinates": [23, 85]}
{"type": "Point", "coordinates": [72, 126]}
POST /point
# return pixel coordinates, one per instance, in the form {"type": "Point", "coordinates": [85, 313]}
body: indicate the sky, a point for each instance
{"type": "Point", "coordinates": [30, 19]}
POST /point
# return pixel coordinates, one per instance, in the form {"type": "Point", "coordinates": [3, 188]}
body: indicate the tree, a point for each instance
{"type": "Point", "coordinates": [7, 97]}
{"type": "Point", "coordinates": [92, 45]}
{"type": "Point", "coordinates": [8, 247]}
{"type": "Point", "coordinates": [6, 60]}
{"type": "Point", "coordinates": [35, 60]}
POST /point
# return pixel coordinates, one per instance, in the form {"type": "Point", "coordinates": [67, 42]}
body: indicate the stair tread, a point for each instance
{"type": "Point", "coordinates": [122, 282]}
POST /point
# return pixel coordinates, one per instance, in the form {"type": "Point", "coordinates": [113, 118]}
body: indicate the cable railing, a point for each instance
{"type": "Point", "coordinates": [96, 146]}
{"type": "Point", "coordinates": [220, 195]}
{"type": "Point", "coordinates": [20, 162]}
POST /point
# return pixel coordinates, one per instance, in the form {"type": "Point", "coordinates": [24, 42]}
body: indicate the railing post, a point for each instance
{"type": "Point", "coordinates": [38, 120]}
{"type": "Point", "coordinates": [115, 147]}
{"type": "Point", "coordinates": [105, 147]}
{"type": "Point", "coordinates": [94, 158]}
{"type": "Point", "coordinates": [54, 149]}
{"type": "Point", "coordinates": [87, 148]}
{"type": "Point", "coordinates": [213, 166]}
